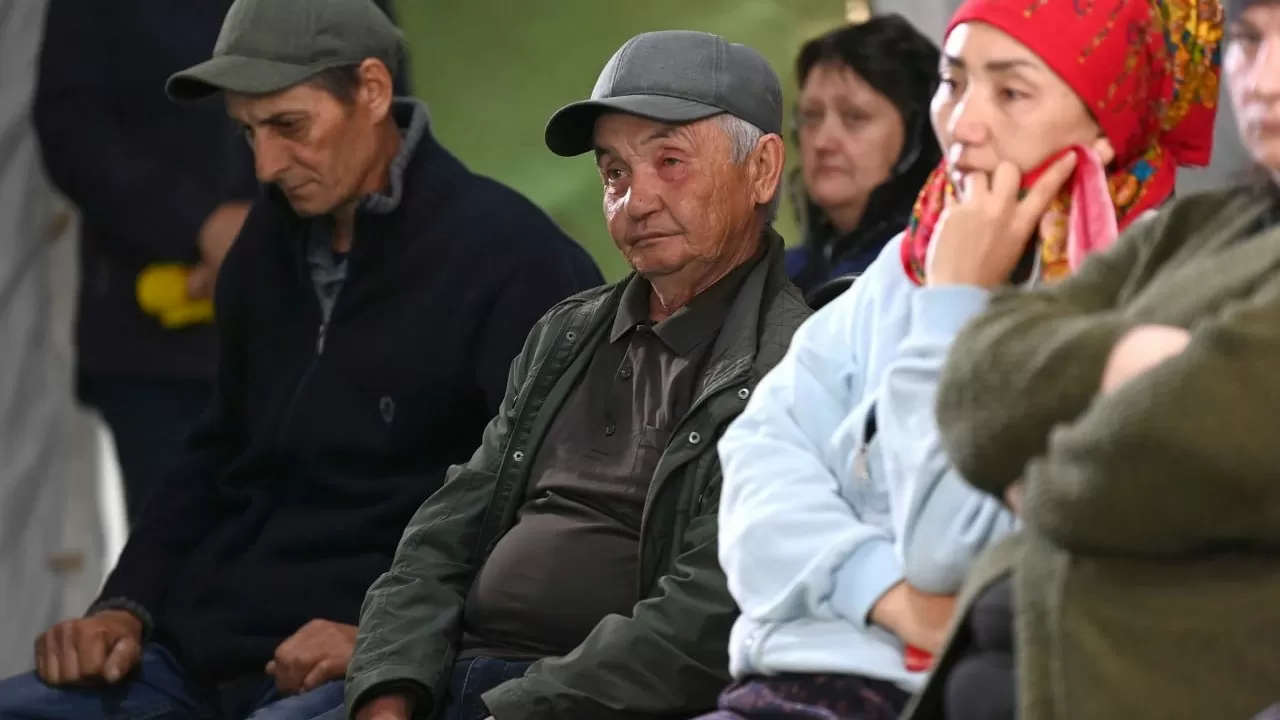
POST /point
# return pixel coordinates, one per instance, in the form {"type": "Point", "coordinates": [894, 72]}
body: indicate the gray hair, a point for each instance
{"type": "Point", "coordinates": [743, 137]}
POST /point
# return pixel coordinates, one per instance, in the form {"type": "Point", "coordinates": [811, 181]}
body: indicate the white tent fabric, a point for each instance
{"type": "Point", "coordinates": [35, 402]}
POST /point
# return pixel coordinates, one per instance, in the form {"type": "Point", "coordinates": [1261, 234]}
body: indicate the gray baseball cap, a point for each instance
{"type": "Point", "coordinates": [266, 46]}
{"type": "Point", "coordinates": [673, 76]}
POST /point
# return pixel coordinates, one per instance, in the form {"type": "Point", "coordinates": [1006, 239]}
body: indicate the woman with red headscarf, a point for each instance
{"type": "Point", "coordinates": [845, 532]}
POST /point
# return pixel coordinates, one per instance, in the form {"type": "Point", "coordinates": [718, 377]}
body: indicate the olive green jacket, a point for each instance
{"type": "Point", "coordinates": [1146, 581]}
{"type": "Point", "coordinates": [670, 658]}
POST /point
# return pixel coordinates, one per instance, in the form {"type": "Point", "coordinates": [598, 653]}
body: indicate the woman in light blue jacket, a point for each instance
{"type": "Point", "coordinates": [844, 531]}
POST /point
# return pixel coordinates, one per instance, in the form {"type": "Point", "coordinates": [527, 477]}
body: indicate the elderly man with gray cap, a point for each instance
{"type": "Point", "coordinates": [569, 569]}
{"type": "Point", "coordinates": [367, 316]}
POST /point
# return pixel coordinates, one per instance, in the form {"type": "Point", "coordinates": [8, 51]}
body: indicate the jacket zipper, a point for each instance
{"type": "Point", "coordinates": [322, 334]}
{"type": "Point", "coordinates": [652, 498]}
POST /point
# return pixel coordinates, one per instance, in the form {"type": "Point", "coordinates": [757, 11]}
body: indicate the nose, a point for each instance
{"type": "Point", "coordinates": [827, 132]}
{"type": "Point", "coordinates": [968, 122]}
{"type": "Point", "coordinates": [644, 196]}
{"type": "Point", "coordinates": [1266, 70]}
{"type": "Point", "coordinates": [269, 158]}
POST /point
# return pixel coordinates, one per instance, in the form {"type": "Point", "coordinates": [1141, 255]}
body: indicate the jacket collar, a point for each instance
{"type": "Point", "coordinates": [428, 175]}
{"type": "Point", "coordinates": [757, 329]}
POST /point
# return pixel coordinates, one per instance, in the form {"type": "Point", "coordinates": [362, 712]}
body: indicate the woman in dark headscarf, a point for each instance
{"type": "Point", "coordinates": [866, 147]}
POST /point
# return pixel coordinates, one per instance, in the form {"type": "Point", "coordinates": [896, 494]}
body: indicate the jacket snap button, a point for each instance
{"type": "Point", "coordinates": [695, 438]}
{"type": "Point", "coordinates": [571, 336]}
{"type": "Point", "coordinates": [517, 455]}
{"type": "Point", "coordinates": [744, 393]}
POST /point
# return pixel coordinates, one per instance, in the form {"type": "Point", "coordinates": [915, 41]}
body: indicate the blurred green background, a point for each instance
{"type": "Point", "coordinates": [493, 72]}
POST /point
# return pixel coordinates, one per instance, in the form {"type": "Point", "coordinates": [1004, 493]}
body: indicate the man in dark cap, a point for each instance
{"type": "Point", "coordinates": [367, 316]}
{"type": "Point", "coordinates": [569, 569]}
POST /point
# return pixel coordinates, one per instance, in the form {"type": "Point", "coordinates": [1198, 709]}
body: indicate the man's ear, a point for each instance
{"type": "Point", "coordinates": [767, 161]}
{"type": "Point", "coordinates": [377, 88]}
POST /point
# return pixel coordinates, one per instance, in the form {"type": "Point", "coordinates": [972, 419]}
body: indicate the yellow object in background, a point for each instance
{"type": "Point", "coordinates": [162, 292]}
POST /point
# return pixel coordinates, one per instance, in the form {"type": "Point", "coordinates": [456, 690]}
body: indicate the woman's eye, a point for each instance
{"type": "Point", "coordinates": [811, 117]}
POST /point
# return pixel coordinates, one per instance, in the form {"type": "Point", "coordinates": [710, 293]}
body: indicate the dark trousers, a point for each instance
{"type": "Point", "coordinates": [149, 420]}
{"type": "Point", "coordinates": [811, 697]}
{"type": "Point", "coordinates": [159, 689]}
{"type": "Point", "coordinates": [981, 685]}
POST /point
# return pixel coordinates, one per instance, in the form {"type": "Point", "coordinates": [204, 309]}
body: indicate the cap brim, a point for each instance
{"type": "Point", "coordinates": [252, 76]}
{"type": "Point", "coordinates": [571, 129]}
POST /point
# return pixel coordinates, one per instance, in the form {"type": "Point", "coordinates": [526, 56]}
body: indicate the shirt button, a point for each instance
{"type": "Point", "coordinates": [610, 429]}
{"type": "Point", "coordinates": [625, 374]}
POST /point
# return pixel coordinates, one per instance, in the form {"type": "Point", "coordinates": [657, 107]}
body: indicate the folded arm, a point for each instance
{"type": "Point", "coordinates": [1032, 360]}
{"type": "Point", "coordinates": [1179, 459]}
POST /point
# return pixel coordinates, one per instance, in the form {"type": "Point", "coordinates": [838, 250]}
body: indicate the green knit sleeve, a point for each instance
{"type": "Point", "coordinates": [1183, 458]}
{"type": "Point", "coordinates": [1033, 359]}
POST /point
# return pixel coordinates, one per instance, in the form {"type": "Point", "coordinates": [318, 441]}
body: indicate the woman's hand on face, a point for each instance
{"type": "Point", "coordinates": [981, 236]}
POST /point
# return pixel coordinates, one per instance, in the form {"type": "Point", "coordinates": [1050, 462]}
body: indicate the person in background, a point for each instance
{"type": "Point", "coordinates": [838, 451]}
{"type": "Point", "coordinates": [155, 184]}
{"type": "Point", "coordinates": [1129, 413]}
{"type": "Point", "coordinates": [862, 127]}
{"type": "Point", "coordinates": [368, 315]}
{"type": "Point", "coordinates": [569, 569]}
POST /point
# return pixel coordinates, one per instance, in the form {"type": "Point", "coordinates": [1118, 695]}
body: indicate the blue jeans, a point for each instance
{"type": "Point", "coordinates": [158, 689]}
{"type": "Point", "coordinates": [471, 679]}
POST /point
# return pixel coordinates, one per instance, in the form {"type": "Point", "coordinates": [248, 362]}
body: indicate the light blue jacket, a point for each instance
{"type": "Point", "coordinates": [816, 523]}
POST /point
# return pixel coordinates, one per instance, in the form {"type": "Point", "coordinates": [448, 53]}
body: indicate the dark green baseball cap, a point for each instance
{"type": "Point", "coordinates": [266, 46]}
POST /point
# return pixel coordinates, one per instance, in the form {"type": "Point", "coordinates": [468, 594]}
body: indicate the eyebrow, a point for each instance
{"type": "Point", "coordinates": [282, 117]}
{"type": "Point", "coordinates": [993, 66]}
{"type": "Point", "coordinates": [661, 133]}
{"type": "Point", "coordinates": [1241, 26]}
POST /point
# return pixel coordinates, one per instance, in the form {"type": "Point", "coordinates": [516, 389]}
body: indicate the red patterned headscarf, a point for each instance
{"type": "Point", "coordinates": [1148, 72]}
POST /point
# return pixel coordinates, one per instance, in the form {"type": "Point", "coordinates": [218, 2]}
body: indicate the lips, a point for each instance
{"type": "Point", "coordinates": [646, 237]}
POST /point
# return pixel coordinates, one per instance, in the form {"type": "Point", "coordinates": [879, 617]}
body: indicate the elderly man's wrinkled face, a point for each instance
{"type": "Point", "coordinates": [673, 197]}
{"type": "Point", "coordinates": [317, 149]}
